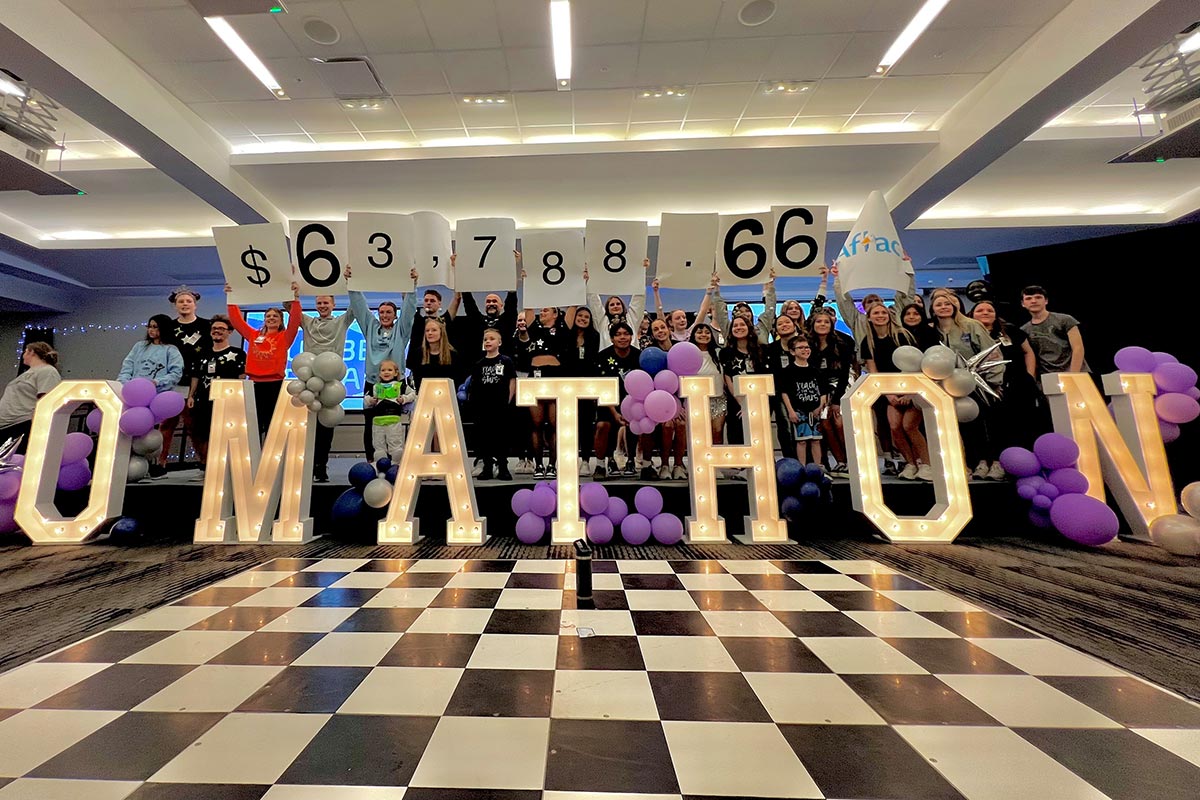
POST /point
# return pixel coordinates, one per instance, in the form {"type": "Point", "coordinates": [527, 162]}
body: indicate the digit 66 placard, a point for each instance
{"type": "Point", "coordinates": [320, 254]}
{"type": "Point", "coordinates": [788, 239]}
{"type": "Point", "coordinates": [553, 264]}
{"type": "Point", "coordinates": [614, 251]}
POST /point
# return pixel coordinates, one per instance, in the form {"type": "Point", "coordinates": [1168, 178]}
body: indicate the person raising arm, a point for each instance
{"type": "Point", "coordinates": [607, 312]}
{"type": "Point", "coordinates": [677, 320]}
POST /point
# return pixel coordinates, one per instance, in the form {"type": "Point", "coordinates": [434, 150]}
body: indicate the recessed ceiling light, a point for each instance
{"type": "Point", "coordinates": [364, 104]}
{"type": "Point", "coordinates": [560, 34]}
{"type": "Point", "coordinates": [485, 99]}
{"type": "Point", "coordinates": [786, 87]}
{"type": "Point", "coordinates": [922, 20]}
{"type": "Point", "coordinates": [665, 91]}
{"type": "Point", "coordinates": [252, 62]}
{"type": "Point", "coordinates": [756, 12]}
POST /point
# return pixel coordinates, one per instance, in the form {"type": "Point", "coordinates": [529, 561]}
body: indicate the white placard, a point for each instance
{"type": "Point", "coordinates": [255, 261]}
{"type": "Point", "coordinates": [799, 241]}
{"type": "Point", "coordinates": [744, 248]}
{"type": "Point", "coordinates": [431, 249]}
{"type": "Point", "coordinates": [614, 251]}
{"type": "Point", "coordinates": [484, 261]}
{"type": "Point", "coordinates": [380, 247]}
{"type": "Point", "coordinates": [553, 264]}
{"type": "Point", "coordinates": [687, 245]}
{"type": "Point", "coordinates": [872, 257]}
{"type": "Point", "coordinates": [319, 249]}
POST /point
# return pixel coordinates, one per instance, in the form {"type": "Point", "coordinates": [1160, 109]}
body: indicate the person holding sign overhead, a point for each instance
{"type": "Point", "coordinates": [267, 353]}
{"type": "Point", "coordinates": [677, 321]}
{"type": "Point", "coordinates": [766, 320]}
{"type": "Point", "coordinates": [387, 338]}
{"type": "Point", "coordinates": [857, 320]}
{"type": "Point", "coordinates": [499, 315]}
{"type": "Point", "coordinates": [607, 312]}
{"type": "Point", "coordinates": [544, 339]}
{"type": "Point", "coordinates": [324, 333]}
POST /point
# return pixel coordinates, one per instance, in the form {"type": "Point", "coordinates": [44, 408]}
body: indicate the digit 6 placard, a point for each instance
{"type": "Point", "coordinates": [381, 253]}
{"type": "Point", "coordinates": [484, 255]}
{"type": "Point", "coordinates": [744, 247]}
{"type": "Point", "coordinates": [614, 251]}
{"type": "Point", "coordinates": [553, 264]}
{"type": "Point", "coordinates": [255, 261]}
{"type": "Point", "coordinates": [799, 239]}
{"type": "Point", "coordinates": [319, 250]}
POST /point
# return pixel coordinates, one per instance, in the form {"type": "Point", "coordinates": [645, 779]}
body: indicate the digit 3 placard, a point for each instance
{"type": "Point", "coordinates": [553, 264]}
{"type": "Point", "coordinates": [255, 261]}
{"type": "Point", "coordinates": [381, 250]}
{"type": "Point", "coordinates": [319, 248]}
{"type": "Point", "coordinates": [614, 251]}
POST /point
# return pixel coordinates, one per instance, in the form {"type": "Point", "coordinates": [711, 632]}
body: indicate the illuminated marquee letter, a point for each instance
{"type": "Point", "coordinates": [1130, 457]}
{"type": "Point", "coordinates": [245, 482]}
{"type": "Point", "coordinates": [758, 458]}
{"type": "Point", "coordinates": [436, 411]}
{"type": "Point", "coordinates": [36, 513]}
{"type": "Point", "coordinates": [567, 392]}
{"type": "Point", "coordinates": [951, 510]}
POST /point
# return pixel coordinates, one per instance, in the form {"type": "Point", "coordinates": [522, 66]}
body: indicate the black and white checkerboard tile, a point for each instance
{"type": "Point", "coordinates": [352, 679]}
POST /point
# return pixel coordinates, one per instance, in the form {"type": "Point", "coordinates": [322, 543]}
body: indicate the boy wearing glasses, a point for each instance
{"type": "Point", "coordinates": [805, 401]}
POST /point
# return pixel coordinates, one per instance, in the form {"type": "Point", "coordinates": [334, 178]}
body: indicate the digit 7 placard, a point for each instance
{"type": "Point", "coordinates": [484, 255]}
{"type": "Point", "coordinates": [255, 261]}
{"type": "Point", "coordinates": [614, 251]}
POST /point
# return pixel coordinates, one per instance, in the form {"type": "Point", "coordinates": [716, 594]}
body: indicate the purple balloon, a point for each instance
{"type": "Point", "coordinates": [617, 510]}
{"type": "Point", "coordinates": [76, 447]}
{"type": "Point", "coordinates": [1055, 451]}
{"type": "Point", "coordinates": [139, 392]}
{"type": "Point", "coordinates": [167, 404]}
{"type": "Point", "coordinates": [1193, 392]}
{"type": "Point", "coordinates": [16, 460]}
{"type": "Point", "coordinates": [667, 529]}
{"type": "Point", "coordinates": [635, 529]}
{"type": "Point", "coordinates": [1168, 430]}
{"type": "Point", "coordinates": [1049, 490]}
{"type": "Point", "coordinates": [667, 380]}
{"type": "Point", "coordinates": [7, 523]}
{"type": "Point", "coordinates": [520, 501]}
{"type": "Point", "coordinates": [1020, 462]}
{"type": "Point", "coordinates": [599, 530]}
{"type": "Point", "coordinates": [593, 498]}
{"type": "Point", "coordinates": [1161, 358]}
{"type": "Point", "coordinates": [637, 410]}
{"type": "Point", "coordinates": [1084, 519]}
{"type": "Point", "coordinates": [543, 502]}
{"type": "Point", "coordinates": [530, 527]}
{"type": "Point", "coordinates": [684, 359]}
{"type": "Point", "coordinates": [1174, 377]}
{"type": "Point", "coordinates": [1036, 481]}
{"type": "Point", "coordinates": [648, 501]}
{"type": "Point", "coordinates": [1042, 503]}
{"type": "Point", "coordinates": [1027, 492]}
{"type": "Point", "coordinates": [93, 420]}
{"type": "Point", "coordinates": [661, 406]}
{"type": "Point", "coordinates": [10, 484]}
{"type": "Point", "coordinates": [1039, 519]}
{"type": "Point", "coordinates": [1069, 481]}
{"type": "Point", "coordinates": [639, 384]}
{"type": "Point", "coordinates": [643, 427]}
{"type": "Point", "coordinates": [137, 421]}
{"type": "Point", "coordinates": [627, 406]}
{"type": "Point", "coordinates": [1135, 359]}
{"type": "Point", "coordinates": [74, 476]}
{"type": "Point", "coordinates": [1176, 407]}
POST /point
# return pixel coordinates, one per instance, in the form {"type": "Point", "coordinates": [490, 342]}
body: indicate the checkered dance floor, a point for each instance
{"type": "Point", "coordinates": [350, 679]}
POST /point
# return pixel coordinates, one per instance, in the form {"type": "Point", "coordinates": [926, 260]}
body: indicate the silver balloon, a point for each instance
{"type": "Point", "coordinates": [331, 417]}
{"type": "Point", "coordinates": [297, 402]}
{"type": "Point", "coordinates": [333, 394]}
{"type": "Point", "coordinates": [314, 384]}
{"type": "Point", "coordinates": [138, 469]}
{"type": "Point", "coordinates": [303, 360]}
{"type": "Point", "coordinates": [377, 493]}
{"type": "Point", "coordinates": [295, 387]}
{"type": "Point", "coordinates": [329, 366]}
{"type": "Point", "coordinates": [938, 362]}
{"type": "Point", "coordinates": [907, 358]}
{"type": "Point", "coordinates": [306, 397]}
{"type": "Point", "coordinates": [303, 373]}
{"type": "Point", "coordinates": [315, 405]}
{"type": "Point", "coordinates": [960, 383]}
{"type": "Point", "coordinates": [1177, 533]}
{"type": "Point", "coordinates": [966, 408]}
{"type": "Point", "coordinates": [147, 444]}
{"type": "Point", "coordinates": [1190, 498]}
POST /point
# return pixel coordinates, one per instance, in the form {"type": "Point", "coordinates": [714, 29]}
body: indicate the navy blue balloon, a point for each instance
{"type": "Point", "coordinates": [361, 474]}
{"type": "Point", "coordinates": [653, 360]}
{"type": "Point", "coordinates": [813, 472]}
{"type": "Point", "coordinates": [791, 509]}
{"type": "Point", "coordinates": [349, 505]}
{"type": "Point", "coordinates": [383, 464]}
{"type": "Point", "coordinates": [810, 492]}
{"type": "Point", "coordinates": [124, 530]}
{"type": "Point", "coordinates": [789, 472]}
{"type": "Point", "coordinates": [391, 473]}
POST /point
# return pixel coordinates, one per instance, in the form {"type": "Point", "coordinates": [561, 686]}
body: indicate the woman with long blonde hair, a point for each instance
{"type": "Point", "coordinates": [884, 336]}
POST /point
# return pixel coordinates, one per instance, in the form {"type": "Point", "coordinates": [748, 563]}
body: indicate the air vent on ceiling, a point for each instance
{"type": "Point", "coordinates": [349, 77]}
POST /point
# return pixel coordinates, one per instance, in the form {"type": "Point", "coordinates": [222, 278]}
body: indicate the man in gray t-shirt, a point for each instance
{"type": "Point", "coordinates": [324, 333]}
{"type": "Point", "coordinates": [1054, 337]}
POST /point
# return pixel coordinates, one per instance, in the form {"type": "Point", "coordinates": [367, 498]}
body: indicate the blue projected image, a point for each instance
{"type": "Point", "coordinates": [354, 353]}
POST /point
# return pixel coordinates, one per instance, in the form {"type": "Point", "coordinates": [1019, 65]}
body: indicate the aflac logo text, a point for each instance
{"type": "Point", "coordinates": [864, 242]}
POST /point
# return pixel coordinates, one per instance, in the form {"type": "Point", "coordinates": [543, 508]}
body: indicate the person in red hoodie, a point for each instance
{"type": "Point", "coordinates": [267, 354]}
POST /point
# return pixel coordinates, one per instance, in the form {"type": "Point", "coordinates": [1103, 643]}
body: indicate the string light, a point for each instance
{"type": "Point", "coordinates": [64, 331]}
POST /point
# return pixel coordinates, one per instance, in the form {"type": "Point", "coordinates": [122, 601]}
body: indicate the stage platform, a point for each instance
{"type": "Point", "coordinates": [160, 505]}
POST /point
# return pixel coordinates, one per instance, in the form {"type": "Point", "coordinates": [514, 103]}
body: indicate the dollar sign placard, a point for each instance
{"type": "Point", "coordinates": [255, 261]}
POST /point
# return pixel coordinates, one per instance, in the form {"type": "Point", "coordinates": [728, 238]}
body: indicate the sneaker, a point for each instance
{"type": "Point", "coordinates": [551, 471]}
{"type": "Point", "coordinates": [925, 472]}
{"type": "Point", "coordinates": [539, 472]}
{"type": "Point", "coordinates": [485, 474]}
{"type": "Point", "coordinates": [981, 471]}
{"type": "Point", "coordinates": [585, 467]}
{"type": "Point", "coordinates": [840, 470]}
{"type": "Point", "coordinates": [679, 473]}
{"type": "Point", "coordinates": [199, 477]}
{"type": "Point", "coordinates": [664, 473]}
{"type": "Point", "coordinates": [996, 473]}
{"type": "Point", "coordinates": [320, 474]}
{"type": "Point", "coordinates": [889, 468]}
{"type": "Point", "coordinates": [599, 473]}
{"type": "Point", "coordinates": [649, 473]}
{"type": "Point", "coordinates": [630, 470]}
{"type": "Point", "coordinates": [909, 472]}
{"type": "Point", "coordinates": [504, 474]}
{"type": "Point", "coordinates": [476, 468]}
{"type": "Point", "coordinates": [157, 471]}
{"type": "Point", "coordinates": [524, 466]}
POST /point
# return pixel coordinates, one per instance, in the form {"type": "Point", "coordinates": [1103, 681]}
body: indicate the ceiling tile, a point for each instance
{"type": "Point", "coordinates": [525, 23]}
{"type": "Point", "coordinates": [659, 109]}
{"type": "Point", "coordinates": [820, 16]}
{"type": "Point", "coordinates": [864, 123]}
{"type": "Point", "coordinates": [602, 106]}
{"type": "Point", "coordinates": [946, 52]}
{"type": "Point", "coordinates": [805, 58]}
{"type": "Point", "coordinates": [461, 24]}
{"type": "Point", "coordinates": [220, 119]}
{"type": "Point", "coordinates": [776, 104]}
{"type": "Point", "coordinates": [544, 108]}
{"type": "Point", "coordinates": [428, 134]}
{"type": "Point", "coordinates": [530, 133]}
{"type": "Point", "coordinates": [607, 21]}
{"type": "Point", "coordinates": [667, 63]}
{"type": "Point", "coordinates": [530, 68]}
{"type": "Point", "coordinates": [930, 93]}
{"type": "Point", "coordinates": [861, 55]}
{"type": "Point", "coordinates": [299, 78]}
{"type": "Point", "coordinates": [433, 111]}
{"type": "Point", "coordinates": [680, 20]}
{"type": "Point", "coordinates": [716, 127]}
{"type": "Point", "coordinates": [839, 96]}
{"type": "Point", "coordinates": [337, 138]}
{"type": "Point", "coordinates": [639, 130]}
{"type": "Point", "coordinates": [610, 131]}
{"type": "Point", "coordinates": [264, 35]}
{"type": "Point", "coordinates": [763, 125]}
{"type": "Point", "coordinates": [732, 60]}
{"type": "Point", "coordinates": [511, 134]}
{"type": "Point", "coordinates": [226, 80]}
{"type": "Point", "coordinates": [973, 13]}
{"type": "Point", "coordinates": [330, 11]}
{"type": "Point", "coordinates": [612, 66]}
{"type": "Point", "coordinates": [290, 138]}
{"type": "Point", "coordinates": [405, 137]}
{"type": "Point", "coordinates": [720, 102]}
{"type": "Point", "coordinates": [472, 71]}
{"type": "Point", "coordinates": [389, 26]}
{"type": "Point", "coordinates": [263, 117]}
{"type": "Point", "coordinates": [817, 124]}
{"type": "Point", "coordinates": [177, 81]}
{"type": "Point", "coordinates": [411, 73]}
{"type": "Point", "coordinates": [166, 34]}
{"type": "Point", "coordinates": [320, 116]}
{"type": "Point", "coordinates": [386, 118]}
{"type": "Point", "coordinates": [488, 116]}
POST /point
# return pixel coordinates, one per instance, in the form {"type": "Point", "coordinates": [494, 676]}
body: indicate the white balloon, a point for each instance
{"type": "Point", "coordinates": [377, 493]}
{"type": "Point", "coordinates": [138, 469]}
{"type": "Point", "coordinates": [306, 397]}
{"type": "Point", "coordinates": [295, 387]}
{"type": "Point", "coordinates": [331, 417]}
{"type": "Point", "coordinates": [315, 406]}
{"type": "Point", "coordinates": [1177, 533]}
{"type": "Point", "coordinates": [147, 444]}
{"type": "Point", "coordinates": [333, 394]}
{"type": "Point", "coordinates": [297, 402]}
{"type": "Point", "coordinates": [907, 358]}
{"type": "Point", "coordinates": [303, 360]}
{"type": "Point", "coordinates": [1190, 498]}
{"type": "Point", "coordinates": [938, 362]}
{"type": "Point", "coordinates": [303, 373]}
{"type": "Point", "coordinates": [966, 408]}
{"type": "Point", "coordinates": [960, 383]}
{"type": "Point", "coordinates": [314, 384]}
{"type": "Point", "coordinates": [329, 366]}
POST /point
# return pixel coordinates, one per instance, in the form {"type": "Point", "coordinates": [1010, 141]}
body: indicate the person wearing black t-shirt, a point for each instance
{"type": "Point", "coordinates": [776, 357]}
{"type": "Point", "coordinates": [804, 400]}
{"type": "Point", "coordinates": [614, 362]}
{"type": "Point", "coordinates": [490, 396]}
{"type": "Point", "coordinates": [884, 336]}
{"type": "Point", "coordinates": [579, 361]}
{"type": "Point", "coordinates": [222, 362]}
{"type": "Point", "coordinates": [496, 314]}
{"type": "Point", "coordinates": [190, 336]}
{"type": "Point", "coordinates": [741, 355]}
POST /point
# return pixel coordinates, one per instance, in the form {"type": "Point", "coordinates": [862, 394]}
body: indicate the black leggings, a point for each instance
{"type": "Point", "coordinates": [266, 394]}
{"type": "Point", "coordinates": [491, 434]}
{"type": "Point", "coordinates": [587, 428]}
{"type": "Point", "coordinates": [368, 421]}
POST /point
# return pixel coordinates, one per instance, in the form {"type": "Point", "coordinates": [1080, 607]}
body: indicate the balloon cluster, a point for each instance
{"type": "Point", "coordinates": [603, 514]}
{"type": "Point", "coordinates": [74, 473]}
{"type": "Point", "coordinates": [369, 493]}
{"type": "Point", "coordinates": [1180, 533]}
{"type": "Point", "coordinates": [801, 487]}
{"type": "Point", "coordinates": [1048, 478]}
{"type": "Point", "coordinates": [145, 408]}
{"type": "Point", "coordinates": [960, 377]}
{"type": "Point", "coordinates": [651, 390]}
{"type": "Point", "coordinates": [318, 386]}
{"type": "Point", "coordinates": [1178, 399]}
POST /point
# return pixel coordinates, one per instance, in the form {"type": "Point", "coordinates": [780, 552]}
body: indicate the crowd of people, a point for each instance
{"type": "Point", "coordinates": [484, 350]}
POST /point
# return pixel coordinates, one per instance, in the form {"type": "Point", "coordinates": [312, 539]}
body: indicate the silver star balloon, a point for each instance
{"type": "Point", "coordinates": [7, 450]}
{"type": "Point", "coordinates": [976, 363]}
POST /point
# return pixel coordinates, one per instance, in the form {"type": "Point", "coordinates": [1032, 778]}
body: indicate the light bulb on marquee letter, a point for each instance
{"type": "Point", "coordinates": [436, 411]}
{"type": "Point", "coordinates": [244, 482]}
{"type": "Point", "coordinates": [951, 510]}
{"type": "Point", "coordinates": [758, 458]}
{"type": "Point", "coordinates": [567, 392]}
{"type": "Point", "coordinates": [36, 513]}
{"type": "Point", "coordinates": [1127, 452]}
